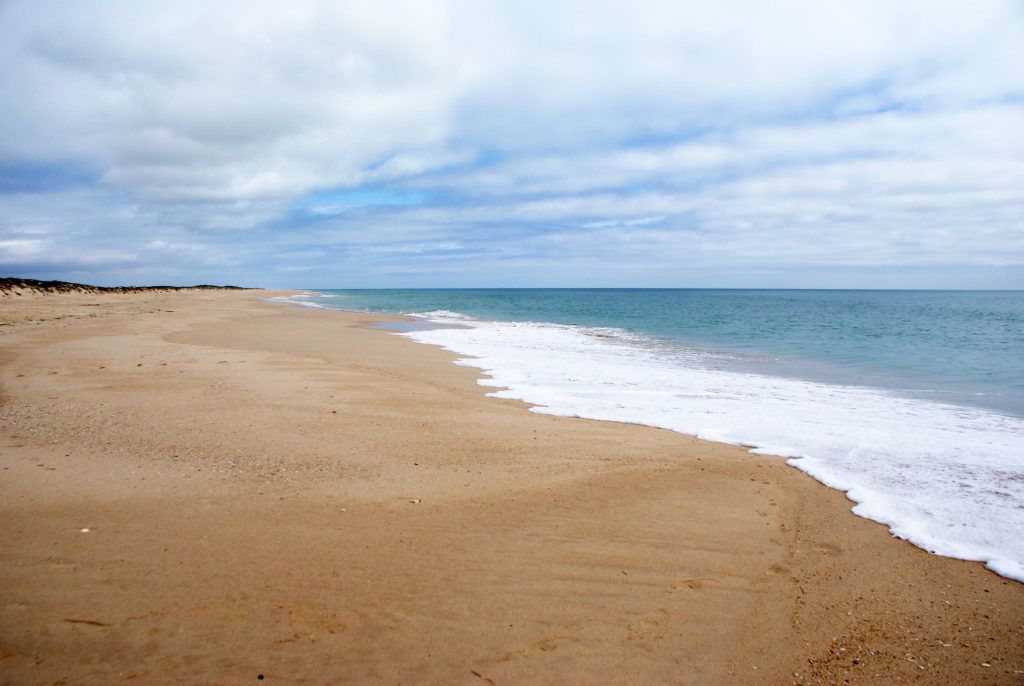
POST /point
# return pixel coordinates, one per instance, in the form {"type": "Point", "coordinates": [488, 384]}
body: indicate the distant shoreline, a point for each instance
{"type": "Point", "coordinates": [16, 286]}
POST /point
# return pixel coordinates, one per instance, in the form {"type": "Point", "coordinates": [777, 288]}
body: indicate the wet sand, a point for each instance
{"type": "Point", "coordinates": [200, 487]}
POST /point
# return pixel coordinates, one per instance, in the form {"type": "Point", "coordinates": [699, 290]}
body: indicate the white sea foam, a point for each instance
{"type": "Point", "coordinates": [949, 479]}
{"type": "Point", "coordinates": [441, 316]}
{"type": "Point", "coordinates": [302, 300]}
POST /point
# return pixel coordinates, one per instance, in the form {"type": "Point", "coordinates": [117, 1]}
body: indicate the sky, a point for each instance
{"type": "Point", "coordinates": [451, 143]}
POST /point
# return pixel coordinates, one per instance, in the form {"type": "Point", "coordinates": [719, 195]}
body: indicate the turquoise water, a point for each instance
{"type": "Point", "coordinates": [964, 347]}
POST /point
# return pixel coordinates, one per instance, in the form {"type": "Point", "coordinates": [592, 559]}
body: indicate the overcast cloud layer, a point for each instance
{"type": "Point", "coordinates": [346, 144]}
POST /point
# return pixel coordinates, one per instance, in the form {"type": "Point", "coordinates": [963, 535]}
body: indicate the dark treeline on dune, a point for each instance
{"type": "Point", "coordinates": [17, 285]}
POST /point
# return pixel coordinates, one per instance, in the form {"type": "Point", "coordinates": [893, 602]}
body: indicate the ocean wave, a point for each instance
{"type": "Point", "coordinates": [442, 316]}
{"type": "Point", "coordinates": [300, 300]}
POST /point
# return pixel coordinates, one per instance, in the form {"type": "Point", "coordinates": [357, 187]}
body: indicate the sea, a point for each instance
{"type": "Point", "coordinates": [911, 402]}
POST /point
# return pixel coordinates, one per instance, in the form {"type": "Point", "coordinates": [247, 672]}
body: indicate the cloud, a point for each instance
{"type": "Point", "coordinates": [232, 101]}
{"type": "Point", "coordinates": [381, 139]}
{"type": "Point", "coordinates": [94, 237]}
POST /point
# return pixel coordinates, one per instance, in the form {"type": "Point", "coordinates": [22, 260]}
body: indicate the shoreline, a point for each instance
{"type": "Point", "coordinates": [939, 535]}
{"type": "Point", "coordinates": [290, 493]}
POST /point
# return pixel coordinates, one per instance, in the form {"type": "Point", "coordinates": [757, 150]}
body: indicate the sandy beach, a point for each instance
{"type": "Point", "coordinates": [204, 487]}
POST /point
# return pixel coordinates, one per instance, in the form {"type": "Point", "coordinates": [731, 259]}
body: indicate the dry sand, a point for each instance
{"type": "Point", "coordinates": [200, 487]}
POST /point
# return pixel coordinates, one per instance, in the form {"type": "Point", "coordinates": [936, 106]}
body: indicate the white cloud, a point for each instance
{"type": "Point", "coordinates": [231, 101]}
{"type": "Point", "coordinates": [20, 249]}
{"type": "Point", "coordinates": [845, 133]}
